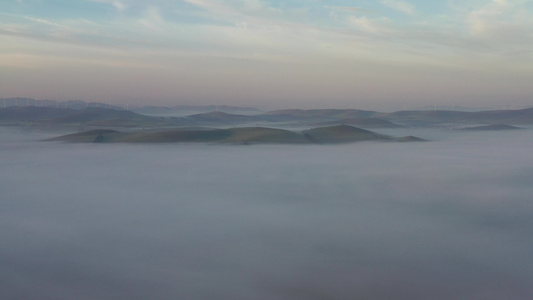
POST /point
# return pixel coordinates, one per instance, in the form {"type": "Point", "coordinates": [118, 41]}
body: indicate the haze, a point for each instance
{"type": "Point", "coordinates": [379, 55]}
{"type": "Point", "coordinates": [446, 219]}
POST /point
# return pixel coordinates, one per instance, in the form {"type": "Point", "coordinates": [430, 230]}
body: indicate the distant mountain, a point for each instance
{"type": "Point", "coordinates": [219, 118]}
{"type": "Point", "coordinates": [220, 108]}
{"type": "Point", "coordinates": [27, 114]}
{"type": "Point", "coordinates": [181, 110]}
{"type": "Point", "coordinates": [515, 117]}
{"type": "Point", "coordinates": [50, 116]}
{"type": "Point", "coordinates": [363, 123]}
{"type": "Point", "coordinates": [495, 127]}
{"type": "Point", "coordinates": [321, 113]}
{"type": "Point", "coordinates": [409, 138]}
{"type": "Point", "coordinates": [72, 104]}
{"type": "Point", "coordinates": [425, 118]}
{"type": "Point", "coordinates": [107, 117]}
{"type": "Point", "coordinates": [243, 135]}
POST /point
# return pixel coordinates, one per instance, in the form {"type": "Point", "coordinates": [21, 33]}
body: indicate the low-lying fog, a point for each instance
{"type": "Point", "coordinates": [447, 219]}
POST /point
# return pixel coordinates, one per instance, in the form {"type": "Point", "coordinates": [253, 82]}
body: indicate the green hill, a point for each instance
{"type": "Point", "coordinates": [341, 134]}
{"type": "Point", "coordinates": [244, 135]}
{"type": "Point", "coordinates": [234, 135]}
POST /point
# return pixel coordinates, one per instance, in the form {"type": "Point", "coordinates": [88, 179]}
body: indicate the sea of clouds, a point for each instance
{"type": "Point", "coordinates": [446, 219]}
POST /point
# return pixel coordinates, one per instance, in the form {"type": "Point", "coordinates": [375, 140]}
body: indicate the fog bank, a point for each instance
{"type": "Point", "coordinates": [448, 219]}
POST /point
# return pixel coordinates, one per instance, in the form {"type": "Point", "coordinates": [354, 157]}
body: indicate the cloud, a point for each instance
{"type": "Point", "coordinates": [152, 19]}
{"type": "Point", "coordinates": [119, 5]}
{"type": "Point", "coordinates": [369, 25]}
{"type": "Point", "coordinates": [351, 9]}
{"type": "Point", "coordinates": [255, 30]}
{"type": "Point", "coordinates": [43, 21]}
{"type": "Point", "coordinates": [401, 6]}
{"type": "Point", "coordinates": [501, 24]}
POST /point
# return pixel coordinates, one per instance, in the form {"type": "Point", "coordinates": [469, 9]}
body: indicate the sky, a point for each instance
{"type": "Point", "coordinates": [381, 55]}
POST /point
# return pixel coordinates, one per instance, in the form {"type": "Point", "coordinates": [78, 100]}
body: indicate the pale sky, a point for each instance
{"type": "Point", "coordinates": [380, 55]}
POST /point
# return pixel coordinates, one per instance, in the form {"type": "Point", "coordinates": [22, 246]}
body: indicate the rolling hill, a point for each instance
{"type": "Point", "coordinates": [100, 117]}
{"type": "Point", "coordinates": [243, 135]}
{"type": "Point", "coordinates": [495, 127]}
{"type": "Point", "coordinates": [341, 134]}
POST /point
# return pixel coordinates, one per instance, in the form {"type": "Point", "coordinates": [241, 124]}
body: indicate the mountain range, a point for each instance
{"type": "Point", "coordinates": [39, 116]}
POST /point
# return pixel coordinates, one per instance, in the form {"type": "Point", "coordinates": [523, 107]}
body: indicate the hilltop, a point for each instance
{"type": "Point", "coordinates": [341, 134]}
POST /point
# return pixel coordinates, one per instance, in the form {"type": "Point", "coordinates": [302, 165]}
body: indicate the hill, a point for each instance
{"type": "Point", "coordinates": [15, 115]}
{"type": "Point", "coordinates": [218, 118]}
{"type": "Point", "coordinates": [183, 110]}
{"type": "Point", "coordinates": [423, 118]}
{"type": "Point", "coordinates": [428, 118]}
{"type": "Point", "coordinates": [495, 127]}
{"type": "Point", "coordinates": [515, 117]}
{"type": "Point", "coordinates": [101, 117]}
{"type": "Point", "coordinates": [319, 114]}
{"type": "Point", "coordinates": [362, 123]}
{"type": "Point", "coordinates": [104, 117]}
{"type": "Point", "coordinates": [341, 134]}
{"type": "Point", "coordinates": [243, 135]}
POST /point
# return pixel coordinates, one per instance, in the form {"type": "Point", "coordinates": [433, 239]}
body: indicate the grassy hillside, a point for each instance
{"type": "Point", "coordinates": [341, 134]}
{"type": "Point", "coordinates": [244, 135]}
{"type": "Point", "coordinates": [233, 135]}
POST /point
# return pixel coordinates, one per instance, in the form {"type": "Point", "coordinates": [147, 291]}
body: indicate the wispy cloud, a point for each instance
{"type": "Point", "coordinates": [152, 19]}
{"type": "Point", "coordinates": [252, 29]}
{"type": "Point", "coordinates": [501, 24]}
{"type": "Point", "coordinates": [119, 5]}
{"type": "Point", "coordinates": [43, 21]}
{"type": "Point", "coordinates": [354, 9]}
{"type": "Point", "coordinates": [401, 6]}
{"type": "Point", "coordinates": [369, 25]}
